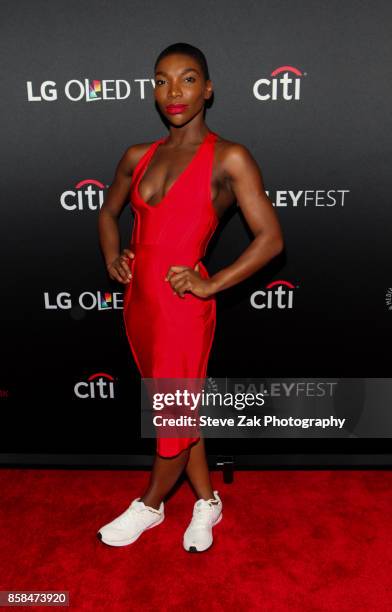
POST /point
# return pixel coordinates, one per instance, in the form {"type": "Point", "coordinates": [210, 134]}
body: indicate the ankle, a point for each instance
{"type": "Point", "coordinates": [151, 504]}
{"type": "Point", "coordinates": [210, 498]}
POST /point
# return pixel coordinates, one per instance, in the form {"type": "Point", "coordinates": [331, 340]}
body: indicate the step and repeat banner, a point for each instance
{"type": "Point", "coordinates": [303, 86]}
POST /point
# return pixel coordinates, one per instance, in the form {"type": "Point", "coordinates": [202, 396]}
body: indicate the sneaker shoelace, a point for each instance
{"type": "Point", "coordinates": [202, 513]}
{"type": "Point", "coordinates": [139, 515]}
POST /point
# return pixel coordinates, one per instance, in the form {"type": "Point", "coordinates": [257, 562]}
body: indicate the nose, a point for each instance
{"type": "Point", "coordinates": [174, 91]}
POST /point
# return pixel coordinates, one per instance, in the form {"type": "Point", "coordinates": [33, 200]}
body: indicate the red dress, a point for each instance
{"type": "Point", "coordinates": [170, 336]}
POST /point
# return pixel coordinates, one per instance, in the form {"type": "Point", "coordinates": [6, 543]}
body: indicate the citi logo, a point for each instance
{"type": "Point", "coordinates": [278, 294]}
{"type": "Point", "coordinates": [97, 386]}
{"type": "Point", "coordinates": [87, 194]}
{"type": "Point", "coordinates": [285, 84]}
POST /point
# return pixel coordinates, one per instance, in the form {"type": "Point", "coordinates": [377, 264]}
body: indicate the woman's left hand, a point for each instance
{"type": "Point", "coordinates": [184, 278]}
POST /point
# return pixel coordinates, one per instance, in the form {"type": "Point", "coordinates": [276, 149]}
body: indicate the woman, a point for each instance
{"type": "Point", "coordinates": [180, 187]}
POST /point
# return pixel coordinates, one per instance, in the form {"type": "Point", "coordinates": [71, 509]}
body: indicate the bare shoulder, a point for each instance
{"type": "Point", "coordinates": [233, 157]}
{"type": "Point", "coordinates": [133, 155]}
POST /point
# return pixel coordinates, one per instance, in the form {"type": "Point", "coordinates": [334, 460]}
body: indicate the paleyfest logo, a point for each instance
{"type": "Point", "coordinates": [284, 84]}
{"type": "Point", "coordinates": [278, 294]}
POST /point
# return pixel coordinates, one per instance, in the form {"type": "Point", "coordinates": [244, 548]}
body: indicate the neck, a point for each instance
{"type": "Point", "coordinates": [183, 137]}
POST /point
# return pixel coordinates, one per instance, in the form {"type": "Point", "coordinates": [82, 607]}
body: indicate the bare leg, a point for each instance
{"type": "Point", "coordinates": [197, 471]}
{"type": "Point", "coordinates": [164, 475]}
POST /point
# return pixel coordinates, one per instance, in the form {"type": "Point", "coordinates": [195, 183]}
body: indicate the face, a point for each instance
{"type": "Point", "coordinates": [180, 88]}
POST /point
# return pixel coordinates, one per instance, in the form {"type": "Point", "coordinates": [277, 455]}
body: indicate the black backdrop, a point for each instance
{"type": "Point", "coordinates": [78, 90]}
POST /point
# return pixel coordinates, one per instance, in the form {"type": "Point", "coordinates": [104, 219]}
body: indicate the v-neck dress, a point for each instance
{"type": "Point", "coordinates": [170, 336]}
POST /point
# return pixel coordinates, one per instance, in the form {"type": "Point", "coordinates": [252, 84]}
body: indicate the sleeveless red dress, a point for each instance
{"type": "Point", "coordinates": [170, 336]}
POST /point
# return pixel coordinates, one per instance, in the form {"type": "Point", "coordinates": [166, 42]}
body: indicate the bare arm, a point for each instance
{"type": "Point", "coordinates": [247, 183]}
{"type": "Point", "coordinates": [109, 234]}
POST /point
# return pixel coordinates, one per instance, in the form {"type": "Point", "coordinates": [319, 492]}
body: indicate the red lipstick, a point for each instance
{"type": "Point", "coordinates": [174, 109]}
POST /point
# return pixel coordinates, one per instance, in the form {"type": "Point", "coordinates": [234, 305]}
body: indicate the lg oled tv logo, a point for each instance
{"type": "Point", "coordinates": [278, 294]}
{"type": "Point", "coordinates": [87, 194]}
{"type": "Point", "coordinates": [87, 90]}
{"type": "Point", "coordinates": [88, 300]}
{"type": "Point", "coordinates": [284, 84]}
{"type": "Point", "coordinates": [97, 386]}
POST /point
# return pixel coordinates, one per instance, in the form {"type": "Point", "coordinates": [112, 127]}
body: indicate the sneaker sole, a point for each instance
{"type": "Point", "coordinates": [128, 541]}
{"type": "Point", "coordinates": [193, 549]}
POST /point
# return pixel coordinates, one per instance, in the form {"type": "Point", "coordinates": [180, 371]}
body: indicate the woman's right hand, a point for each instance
{"type": "Point", "coordinates": [119, 269]}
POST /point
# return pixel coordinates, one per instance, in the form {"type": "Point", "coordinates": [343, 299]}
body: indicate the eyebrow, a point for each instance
{"type": "Point", "coordinates": [183, 72]}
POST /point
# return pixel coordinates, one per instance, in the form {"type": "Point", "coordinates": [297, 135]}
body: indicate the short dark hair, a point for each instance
{"type": "Point", "coordinates": [185, 49]}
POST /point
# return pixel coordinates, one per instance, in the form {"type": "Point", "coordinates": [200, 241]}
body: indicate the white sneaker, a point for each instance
{"type": "Point", "coordinates": [198, 536]}
{"type": "Point", "coordinates": [130, 525]}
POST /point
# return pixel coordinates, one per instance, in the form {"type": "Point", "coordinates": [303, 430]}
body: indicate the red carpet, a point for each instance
{"type": "Point", "coordinates": [289, 540]}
